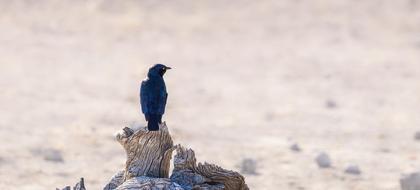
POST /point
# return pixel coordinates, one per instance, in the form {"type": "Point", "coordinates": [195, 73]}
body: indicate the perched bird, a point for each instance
{"type": "Point", "coordinates": [153, 96]}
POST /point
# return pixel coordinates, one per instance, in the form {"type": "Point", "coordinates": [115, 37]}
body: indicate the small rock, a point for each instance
{"type": "Point", "coordinates": [353, 169]}
{"type": "Point", "coordinates": [52, 155]}
{"type": "Point", "coordinates": [323, 160]}
{"type": "Point", "coordinates": [417, 136]}
{"type": "Point", "coordinates": [49, 154]}
{"type": "Point", "coordinates": [295, 147]}
{"type": "Point", "coordinates": [62, 174]}
{"type": "Point", "coordinates": [330, 104]}
{"type": "Point", "coordinates": [385, 150]}
{"type": "Point", "coordinates": [410, 182]}
{"type": "Point", "coordinates": [249, 166]}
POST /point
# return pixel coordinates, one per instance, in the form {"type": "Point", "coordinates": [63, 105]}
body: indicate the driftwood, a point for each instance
{"type": "Point", "coordinates": [148, 161]}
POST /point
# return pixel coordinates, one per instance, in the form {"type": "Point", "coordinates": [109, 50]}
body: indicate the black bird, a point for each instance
{"type": "Point", "coordinates": [153, 96]}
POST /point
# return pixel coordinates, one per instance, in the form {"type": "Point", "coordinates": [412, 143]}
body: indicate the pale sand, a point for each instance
{"type": "Point", "coordinates": [250, 78]}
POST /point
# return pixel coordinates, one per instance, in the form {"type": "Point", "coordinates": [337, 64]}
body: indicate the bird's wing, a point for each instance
{"type": "Point", "coordinates": [161, 97]}
{"type": "Point", "coordinates": [164, 98]}
{"type": "Point", "coordinates": [144, 96]}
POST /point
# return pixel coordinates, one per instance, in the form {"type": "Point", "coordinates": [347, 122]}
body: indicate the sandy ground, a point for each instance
{"type": "Point", "coordinates": [250, 78]}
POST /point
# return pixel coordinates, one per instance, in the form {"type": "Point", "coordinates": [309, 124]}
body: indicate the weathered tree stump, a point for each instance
{"type": "Point", "coordinates": [148, 161]}
{"type": "Point", "coordinates": [203, 176]}
{"type": "Point", "coordinates": [148, 152]}
{"type": "Point", "coordinates": [116, 180]}
{"type": "Point", "coordinates": [149, 183]}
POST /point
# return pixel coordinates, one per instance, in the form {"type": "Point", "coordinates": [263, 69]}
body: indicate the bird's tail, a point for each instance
{"type": "Point", "coordinates": [153, 123]}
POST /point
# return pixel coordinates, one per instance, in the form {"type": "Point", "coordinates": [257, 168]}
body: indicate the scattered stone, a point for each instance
{"type": "Point", "coordinates": [417, 136]}
{"type": "Point", "coordinates": [323, 160]}
{"type": "Point", "coordinates": [49, 154]}
{"type": "Point", "coordinates": [330, 104]}
{"type": "Point", "coordinates": [249, 166]}
{"type": "Point", "coordinates": [62, 174]}
{"type": "Point", "coordinates": [384, 150]}
{"type": "Point", "coordinates": [410, 182]}
{"type": "Point", "coordinates": [353, 169]}
{"type": "Point", "coordinates": [295, 147]}
{"type": "Point", "coordinates": [53, 155]}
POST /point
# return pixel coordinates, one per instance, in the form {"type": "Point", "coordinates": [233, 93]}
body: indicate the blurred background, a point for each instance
{"type": "Point", "coordinates": [250, 79]}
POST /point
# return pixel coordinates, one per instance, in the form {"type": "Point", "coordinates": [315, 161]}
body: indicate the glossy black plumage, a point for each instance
{"type": "Point", "coordinates": [153, 96]}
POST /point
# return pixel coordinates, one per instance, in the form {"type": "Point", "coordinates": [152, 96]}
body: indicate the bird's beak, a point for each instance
{"type": "Point", "coordinates": [167, 68]}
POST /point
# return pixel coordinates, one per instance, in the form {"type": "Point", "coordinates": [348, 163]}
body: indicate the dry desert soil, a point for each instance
{"type": "Point", "coordinates": [250, 79]}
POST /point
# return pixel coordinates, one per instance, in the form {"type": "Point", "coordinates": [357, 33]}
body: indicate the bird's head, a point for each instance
{"type": "Point", "coordinates": [158, 70]}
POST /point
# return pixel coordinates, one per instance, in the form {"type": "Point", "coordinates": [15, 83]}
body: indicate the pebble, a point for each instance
{"type": "Point", "coordinates": [323, 160]}
{"type": "Point", "coordinates": [417, 136]}
{"type": "Point", "coordinates": [295, 147]}
{"type": "Point", "coordinates": [53, 155]}
{"type": "Point", "coordinates": [249, 166]}
{"type": "Point", "coordinates": [353, 169]}
{"type": "Point", "coordinates": [330, 104]}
